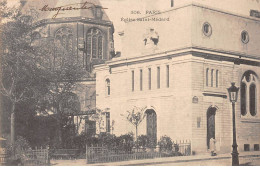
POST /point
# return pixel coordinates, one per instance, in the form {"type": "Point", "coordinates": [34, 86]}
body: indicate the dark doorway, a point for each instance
{"type": "Point", "coordinates": [151, 127]}
{"type": "Point", "coordinates": [210, 124]}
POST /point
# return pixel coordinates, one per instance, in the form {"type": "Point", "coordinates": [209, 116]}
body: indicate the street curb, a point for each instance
{"type": "Point", "coordinates": [172, 161]}
{"type": "Point", "coordinates": [191, 160]}
{"type": "Point", "coordinates": [177, 161]}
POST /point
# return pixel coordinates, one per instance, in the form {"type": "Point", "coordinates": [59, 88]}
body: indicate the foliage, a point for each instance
{"type": "Point", "coordinates": [107, 140]}
{"type": "Point", "coordinates": [20, 147]}
{"type": "Point", "coordinates": [165, 144]}
{"type": "Point", "coordinates": [135, 117]}
{"type": "Point", "coordinates": [84, 139]}
{"type": "Point", "coordinates": [21, 79]}
{"type": "Point", "coordinates": [62, 78]}
{"type": "Point", "coordinates": [125, 142]}
{"type": "Point", "coordinates": [28, 75]}
{"type": "Point", "coordinates": [142, 141]}
{"type": "Point", "coordinates": [20, 75]}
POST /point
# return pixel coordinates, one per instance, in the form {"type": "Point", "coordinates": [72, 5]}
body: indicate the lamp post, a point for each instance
{"type": "Point", "coordinates": [233, 94]}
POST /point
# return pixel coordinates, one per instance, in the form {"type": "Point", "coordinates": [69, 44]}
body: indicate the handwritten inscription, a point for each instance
{"type": "Point", "coordinates": [70, 7]}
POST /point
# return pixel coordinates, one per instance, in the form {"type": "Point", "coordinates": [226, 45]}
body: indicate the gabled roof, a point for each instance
{"type": "Point", "coordinates": [36, 5]}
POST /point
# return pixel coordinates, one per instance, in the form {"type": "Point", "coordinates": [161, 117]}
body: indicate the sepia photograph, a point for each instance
{"type": "Point", "coordinates": [129, 82]}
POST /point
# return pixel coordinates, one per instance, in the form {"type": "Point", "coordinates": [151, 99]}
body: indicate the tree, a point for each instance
{"type": "Point", "coordinates": [20, 77]}
{"type": "Point", "coordinates": [60, 99]}
{"type": "Point", "coordinates": [135, 117]}
{"type": "Point", "coordinates": [165, 144]}
{"type": "Point", "coordinates": [29, 72]}
{"type": "Point", "coordinates": [142, 141]}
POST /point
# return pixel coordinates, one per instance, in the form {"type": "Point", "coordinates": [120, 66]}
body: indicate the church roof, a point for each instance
{"type": "Point", "coordinates": [37, 5]}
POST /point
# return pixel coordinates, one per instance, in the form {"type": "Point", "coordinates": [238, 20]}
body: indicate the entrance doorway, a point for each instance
{"type": "Point", "coordinates": [151, 127]}
{"type": "Point", "coordinates": [210, 124]}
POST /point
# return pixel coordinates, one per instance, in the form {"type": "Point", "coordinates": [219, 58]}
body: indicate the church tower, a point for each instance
{"type": "Point", "coordinates": [86, 32]}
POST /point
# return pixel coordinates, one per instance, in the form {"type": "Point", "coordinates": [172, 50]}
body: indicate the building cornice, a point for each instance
{"type": "Point", "coordinates": [207, 53]}
{"type": "Point", "coordinates": [71, 20]}
{"type": "Point", "coordinates": [205, 7]}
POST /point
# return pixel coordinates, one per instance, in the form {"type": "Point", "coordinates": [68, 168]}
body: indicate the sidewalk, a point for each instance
{"type": "Point", "coordinates": [178, 159]}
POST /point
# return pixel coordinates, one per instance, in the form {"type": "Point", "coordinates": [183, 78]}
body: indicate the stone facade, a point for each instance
{"type": "Point", "coordinates": [184, 77]}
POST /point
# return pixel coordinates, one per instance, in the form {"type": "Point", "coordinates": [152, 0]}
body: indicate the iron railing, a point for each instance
{"type": "Point", "coordinates": [65, 153]}
{"type": "Point", "coordinates": [104, 154]}
{"type": "Point", "coordinates": [37, 157]}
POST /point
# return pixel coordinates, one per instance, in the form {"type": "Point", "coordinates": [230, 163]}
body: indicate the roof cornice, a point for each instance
{"type": "Point", "coordinates": [205, 7]}
{"type": "Point", "coordinates": [194, 50]}
{"type": "Point", "coordinates": [73, 19]}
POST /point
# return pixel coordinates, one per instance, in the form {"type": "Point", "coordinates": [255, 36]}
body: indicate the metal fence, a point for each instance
{"type": "Point", "coordinates": [103, 155]}
{"type": "Point", "coordinates": [3, 159]}
{"type": "Point", "coordinates": [183, 147]}
{"type": "Point", "coordinates": [37, 157]}
{"type": "Point", "coordinates": [65, 154]}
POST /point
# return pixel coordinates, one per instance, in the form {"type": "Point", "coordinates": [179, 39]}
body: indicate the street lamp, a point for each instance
{"type": "Point", "coordinates": [233, 94]}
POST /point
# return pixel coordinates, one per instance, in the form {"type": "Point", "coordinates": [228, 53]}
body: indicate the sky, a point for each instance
{"type": "Point", "coordinates": [118, 9]}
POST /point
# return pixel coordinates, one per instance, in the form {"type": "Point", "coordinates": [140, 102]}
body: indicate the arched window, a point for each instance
{"type": "Point", "coordinates": [64, 38]}
{"type": "Point", "coordinates": [95, 43]}
{"type": "Point", "coordinates": [212, 77]}
{"type": "Point", "coordinates": [216, 78]}
{"type": "Point", "coordinates": [248, 93]}
{"type": "Point", "coordinates": [207, 77]}
{"type": "Point", "coordinates": [243, 99]}
{"type": "Point", "coordinates": [108, 86]}
{"type": "Point", "coordinates": [252, 95]}
{"type": "Point", "coordinates": [63, 46]}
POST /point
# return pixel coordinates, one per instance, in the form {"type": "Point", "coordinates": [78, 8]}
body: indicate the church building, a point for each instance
{"type": "Point", "coordinates": [178, 64]}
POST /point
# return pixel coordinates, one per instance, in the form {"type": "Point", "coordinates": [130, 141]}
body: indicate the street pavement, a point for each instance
{"type": "Point", "coordinates": [245, 159]}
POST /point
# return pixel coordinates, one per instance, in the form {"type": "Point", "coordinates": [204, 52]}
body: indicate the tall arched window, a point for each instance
{"type": "Point", "coordinates": [217, 78]}
{"type": "Point", "coordinates": [243, 99]}
{"type": "Point", "coordinates": [248, 93]}
{"type": "Point", "coordinates": [64, 38]}
{"type": "Point", "coordinates": [207, 77]}
{"type": "Point", "coordinates": [212, 77]}
{"type": "Point", "coordinates": [63, 46]}
{"type": "Point", "coordinates": [252, 100]}
{"type": "Point", "coordinates": [108, 86]}
{"type": "Point", "coordinates": [95, 43]}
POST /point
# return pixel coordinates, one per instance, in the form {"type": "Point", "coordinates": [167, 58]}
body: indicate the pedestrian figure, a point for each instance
{"type": "Point", "coordinates": [213, 146]}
